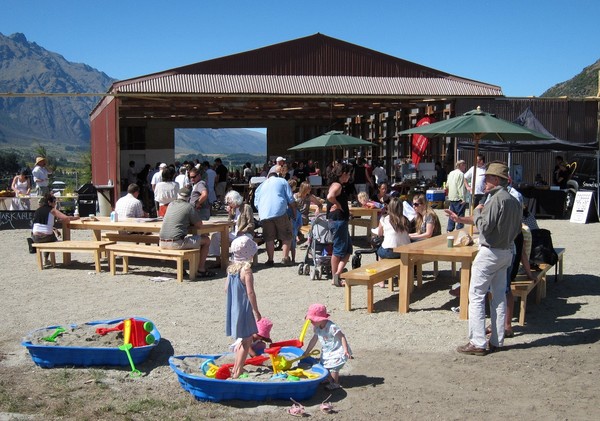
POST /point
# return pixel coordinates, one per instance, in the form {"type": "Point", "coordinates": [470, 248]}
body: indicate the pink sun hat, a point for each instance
{"type": "Point", "coordinates": [264, 326]}
{"type": "Point", "coordinates": [317, 313]}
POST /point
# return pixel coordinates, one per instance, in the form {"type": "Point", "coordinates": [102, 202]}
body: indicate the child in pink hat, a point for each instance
{"type": "Point", "coordinates": [335, 350]}
{"type": "Point", "coordinates": [242, 313]}
{"type": "Point", "coordinates": [260, 339]}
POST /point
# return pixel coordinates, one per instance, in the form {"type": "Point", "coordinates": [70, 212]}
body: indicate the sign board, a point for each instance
{"type": "Point", "coordinates": [15, 219]}
{"type": "Point", "coordinates": [581, 207]}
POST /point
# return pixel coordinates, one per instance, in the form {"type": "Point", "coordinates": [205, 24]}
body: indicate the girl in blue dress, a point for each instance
{"type": "Point", "coordinates": [242, 308]}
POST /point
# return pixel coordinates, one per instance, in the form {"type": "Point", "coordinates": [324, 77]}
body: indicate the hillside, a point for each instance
{"type": "Point", "coordinates": [582, 85]}
{"type": "Point", "coordinates": [27, 67]}
{"type": "Point", "coordinates": [220, 141]}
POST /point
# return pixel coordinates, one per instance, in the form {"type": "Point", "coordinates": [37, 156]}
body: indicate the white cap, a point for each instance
{"type": "Point", "coordinates": [163, 165]}
{"type": "Point", "coordinates": [280, 158]}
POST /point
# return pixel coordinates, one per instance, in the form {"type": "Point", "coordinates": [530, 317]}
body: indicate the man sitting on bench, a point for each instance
{"type": "Point", "coordinates": [173, 233]}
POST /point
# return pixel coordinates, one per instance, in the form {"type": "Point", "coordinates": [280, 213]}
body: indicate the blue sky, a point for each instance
{"type": "Point", "coordinates": [524, 46]}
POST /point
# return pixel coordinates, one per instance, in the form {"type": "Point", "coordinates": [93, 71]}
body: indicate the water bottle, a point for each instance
{"type": "Point", "coordinates": [114, 217]}
{"type": "Point", "coordinates": [76, 212]}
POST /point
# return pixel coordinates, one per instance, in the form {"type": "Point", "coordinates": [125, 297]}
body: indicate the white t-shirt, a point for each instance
{"type": "Point", "coordinates": [391, 237]}
{"type": "Point", "coordinates": [480, 184]}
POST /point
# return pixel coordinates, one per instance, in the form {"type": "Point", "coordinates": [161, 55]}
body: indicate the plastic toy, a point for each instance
{"type": "Point", "coordinates": [210, 369]}
{"type": "Point", "coordinates": [57, 332]}
{"type": "Point", "coordinates": [299, 372]}
{"type": "Point", "coordinates": [139, 333]}
{"type": "Point", "coordinates": [104, 330]}
{"type": "Point", "coordinates": [134, 371]}
{"type": "Point", "coordinates": [283, 364]}
{"type": "Point", "coordinates": [298, 343]}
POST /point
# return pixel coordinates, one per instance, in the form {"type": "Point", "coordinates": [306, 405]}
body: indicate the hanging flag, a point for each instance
{"type": "Point", "coordinates": [420, 142]}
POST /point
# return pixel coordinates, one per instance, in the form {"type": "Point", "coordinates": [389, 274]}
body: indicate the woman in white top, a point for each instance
{"type": "Point", "coordinates": [394, 227]}
{"type": "Point", "coordinates": [43, 222]}
{"type": "Point", "coordinates": [22, 187]}
{"type": "Point", "coordinates": [166, 191]}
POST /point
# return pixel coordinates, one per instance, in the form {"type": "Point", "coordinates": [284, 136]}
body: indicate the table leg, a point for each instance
{"type": "Point", "coordinates": [465, 280]}
{"type": "Point", "coordinates": [403, 283]}
{"type": "Point", "coordinates": [66, 234]}
{"type": "Point", "coordinates": [224, 246]}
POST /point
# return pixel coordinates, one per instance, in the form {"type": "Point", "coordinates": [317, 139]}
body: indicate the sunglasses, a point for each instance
{"type": "Point", "coordinates": [416, 204]}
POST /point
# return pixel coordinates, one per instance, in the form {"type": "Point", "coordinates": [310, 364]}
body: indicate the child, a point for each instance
{"type": "Point", "coordinates": [335, 350]}
{"type": "Point", "coordinates": [242, 308]}
{"type": "Point", "coordinates": [260, 339]}
{"type": "Point", "coordinates": [365, 202]}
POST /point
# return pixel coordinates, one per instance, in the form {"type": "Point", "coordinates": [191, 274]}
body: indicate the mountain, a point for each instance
{"type": "Point", "coordinates": [220, 141]}
{"type": "Point", "coordinates": [25, 67]}
{"type": "Point", "coordinates": [582, 85]}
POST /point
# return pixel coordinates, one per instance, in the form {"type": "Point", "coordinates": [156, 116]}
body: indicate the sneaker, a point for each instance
{"type": "Point", "coordinates": [470, 349]}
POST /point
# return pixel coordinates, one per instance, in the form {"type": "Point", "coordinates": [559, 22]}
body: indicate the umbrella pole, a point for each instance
{"type": "Point", "coordinates": [474, 181]}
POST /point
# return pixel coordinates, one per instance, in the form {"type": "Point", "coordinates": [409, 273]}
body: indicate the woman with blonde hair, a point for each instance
{"type": "Point", "coordinates": [427, 223]}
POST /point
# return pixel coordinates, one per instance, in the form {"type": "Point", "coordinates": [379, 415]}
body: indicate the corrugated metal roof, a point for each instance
{"type": "Point", "coordinates": [307, 85]}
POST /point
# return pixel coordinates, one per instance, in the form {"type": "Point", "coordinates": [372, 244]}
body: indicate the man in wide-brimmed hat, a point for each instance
{"type": "Point", "coordinates": [498, 222]}
{"type": "Point", "coordinates": [41, 176]}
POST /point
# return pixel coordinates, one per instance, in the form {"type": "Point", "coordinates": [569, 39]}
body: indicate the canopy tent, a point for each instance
{"type": "Point", "coordinates": [527, 119]}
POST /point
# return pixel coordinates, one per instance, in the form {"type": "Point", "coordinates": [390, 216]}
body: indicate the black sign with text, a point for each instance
{"type": "Point", "coordinates": [19, 219]}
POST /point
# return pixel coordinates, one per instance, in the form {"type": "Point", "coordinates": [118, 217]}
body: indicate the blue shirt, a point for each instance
{"type": "Point", "coordinates": [272, 197]}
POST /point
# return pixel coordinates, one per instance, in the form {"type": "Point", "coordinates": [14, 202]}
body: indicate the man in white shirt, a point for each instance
{"type": "Point", "coordinates": [129, 206]}
{"type": "Point", "coordinates": [182, 179]}
{"type": "Point", "coordinates": [478, 192]}
{"type": "Point", "coordinates": [40, 175]}
{"type": "Point", "coordinates": [211, 182]}
{"type": "Point", "coordinates": [157, 177]}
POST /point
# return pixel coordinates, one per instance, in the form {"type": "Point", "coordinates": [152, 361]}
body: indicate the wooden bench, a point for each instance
{"type": "Point", "coordinates": [131, 238]}
{"type": "Point", "coordinates": [304, 230]}
{"type": "Point", "coordinates": [96, 247]}
{"type": "Point", "coordinates": [522, 286]}
{"type": "Point", "coordinates": [127, 250]}
{"type": "Point", "coordinates": [369, 275]}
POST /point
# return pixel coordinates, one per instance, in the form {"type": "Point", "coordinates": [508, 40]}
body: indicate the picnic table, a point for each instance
{"type": "Point", "coordinates": [432, 250]}
{"type": "Point", "coordinates": [98, 224]}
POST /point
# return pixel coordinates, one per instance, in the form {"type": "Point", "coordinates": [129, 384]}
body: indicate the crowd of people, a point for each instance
{"type": "Point", "coordinates": [183, 197]}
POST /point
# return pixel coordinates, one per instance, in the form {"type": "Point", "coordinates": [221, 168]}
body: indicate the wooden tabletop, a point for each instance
{"type": "Point", "coordinates": [435, 249]}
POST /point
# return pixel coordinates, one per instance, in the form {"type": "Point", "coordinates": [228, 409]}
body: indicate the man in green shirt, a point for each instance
{"type": "Point", "coordinates": [456, 193]}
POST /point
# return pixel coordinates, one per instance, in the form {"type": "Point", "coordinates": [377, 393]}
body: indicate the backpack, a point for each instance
{"type": "Point", "coordinates": [542, 250]}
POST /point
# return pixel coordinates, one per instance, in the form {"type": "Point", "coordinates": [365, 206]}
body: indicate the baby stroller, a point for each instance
{"type": "Point", "coordinates": [317, 261]}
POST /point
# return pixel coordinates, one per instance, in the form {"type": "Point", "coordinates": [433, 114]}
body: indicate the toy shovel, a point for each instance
{"type": "Point", "coordinates": [134, 371]}
{"type": "Point", "coordinates": [52, 338]}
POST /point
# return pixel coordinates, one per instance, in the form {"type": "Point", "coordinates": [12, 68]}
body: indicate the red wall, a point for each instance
{"type": "Point", "coordinates": [105, 144]}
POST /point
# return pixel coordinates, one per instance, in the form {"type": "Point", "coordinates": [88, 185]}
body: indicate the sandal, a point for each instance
{"type": "Point", "coordinates": [333, 386]}
{"type": "Point", "coordinates": [205, 274]}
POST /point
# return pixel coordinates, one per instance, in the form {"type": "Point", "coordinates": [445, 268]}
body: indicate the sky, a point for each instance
{"type": "Point", "coordinates": [523, 46]}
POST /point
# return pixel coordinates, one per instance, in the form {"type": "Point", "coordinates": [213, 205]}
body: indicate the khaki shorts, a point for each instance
{"type": "Point", "coordinates": [187, 243]}
{"type": "Point", "coordinates": [220, 189]}
{"type": "Point", "coordinates": [279, 227]}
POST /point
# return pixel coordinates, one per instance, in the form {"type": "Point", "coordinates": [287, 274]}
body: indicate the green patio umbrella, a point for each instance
{"type": "Point", "coordinates": [331, 140]}
{"type": "Point", "coordinates": [477, 124]}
